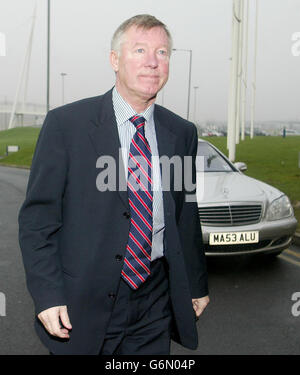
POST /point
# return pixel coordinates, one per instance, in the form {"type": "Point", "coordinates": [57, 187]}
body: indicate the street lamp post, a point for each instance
{"type": "Point", "coordinates": [195, 102]}
{"type": "Point", "coordinates": [190, 74]}
{"type": "Point", "coordinates": [63, 86]}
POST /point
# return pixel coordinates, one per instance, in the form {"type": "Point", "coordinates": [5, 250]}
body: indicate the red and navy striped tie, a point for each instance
{"type": "Point", "coordinates": [139, 186]}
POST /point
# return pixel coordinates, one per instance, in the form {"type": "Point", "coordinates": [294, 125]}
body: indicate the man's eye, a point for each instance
{"type": "Point", "coordinates": [140, 50]}
{"type": "Point", "coordinates": [162, 52]}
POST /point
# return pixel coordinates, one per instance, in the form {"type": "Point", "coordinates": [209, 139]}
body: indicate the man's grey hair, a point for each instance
{"type": "Point", "coordinates": [144, 21]}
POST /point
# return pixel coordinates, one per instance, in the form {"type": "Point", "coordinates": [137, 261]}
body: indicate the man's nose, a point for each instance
{"type": "Point", "coordinates": [151, 60]}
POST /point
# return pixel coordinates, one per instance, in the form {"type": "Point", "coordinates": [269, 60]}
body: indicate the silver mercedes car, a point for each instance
{"type": "Point", "coordinates": [239, 214]}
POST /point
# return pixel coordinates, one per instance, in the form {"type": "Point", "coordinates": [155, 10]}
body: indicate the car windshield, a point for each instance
{"type": "Point", "coordinates": [213, 161]}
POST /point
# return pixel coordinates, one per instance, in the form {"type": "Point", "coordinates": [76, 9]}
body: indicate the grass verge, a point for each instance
{"type": "Point", "coordinates": [25, 138]}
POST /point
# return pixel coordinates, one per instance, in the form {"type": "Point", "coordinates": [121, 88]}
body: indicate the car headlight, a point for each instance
{"type": "Point", "coordinates": [280, 208]}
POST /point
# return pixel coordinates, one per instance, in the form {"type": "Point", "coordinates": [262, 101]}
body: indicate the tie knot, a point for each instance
{"type": "Point", "coordinates": [138, 121]}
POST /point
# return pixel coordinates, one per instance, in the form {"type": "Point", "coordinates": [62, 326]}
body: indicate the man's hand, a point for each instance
{"type": "Point", "coordinates": [50, 320]}
{"type": "Point", "coordinates": [199, 305]}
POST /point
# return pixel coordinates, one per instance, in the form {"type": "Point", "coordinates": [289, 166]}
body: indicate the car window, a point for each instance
{"type": "Point", "coordinates": [213, 161]}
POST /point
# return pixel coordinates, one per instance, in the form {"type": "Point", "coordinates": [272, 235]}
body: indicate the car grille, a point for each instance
{"type": "Point", "coordinates": [230, 215]}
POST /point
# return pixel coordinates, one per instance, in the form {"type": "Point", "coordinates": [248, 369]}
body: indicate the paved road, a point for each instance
{"type": "Point", "coordinates": [249, 313]}
{"type": "Point", "coordinates": [16, 328]}
{"type": "Point", "coordinates": [250, 309]}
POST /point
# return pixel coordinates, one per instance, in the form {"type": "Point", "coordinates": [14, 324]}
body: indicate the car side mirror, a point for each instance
{"type": "Point", "coordinates": [241, 166]}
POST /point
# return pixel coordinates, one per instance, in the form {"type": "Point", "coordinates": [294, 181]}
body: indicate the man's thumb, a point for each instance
{"type": "Point", "coordinates": [64, 317]}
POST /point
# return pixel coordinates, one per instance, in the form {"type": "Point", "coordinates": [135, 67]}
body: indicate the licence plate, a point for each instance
{"type": "Point", "coordinates": [230, 238]}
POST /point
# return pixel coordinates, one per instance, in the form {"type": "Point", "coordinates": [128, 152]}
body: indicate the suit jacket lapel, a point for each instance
{"type": "Point", "coordinates": [165, 141]}
{"type": "Point", "coordinates": [165, 137]}
{"type": "Point", "coordinates": [104, 136]}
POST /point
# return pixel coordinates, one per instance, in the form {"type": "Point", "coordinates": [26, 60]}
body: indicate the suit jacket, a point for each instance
{"type": "Point", "coordinates": [73, 237]}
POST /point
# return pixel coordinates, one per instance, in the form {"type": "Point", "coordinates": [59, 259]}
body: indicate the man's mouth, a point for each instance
{"type": "Point", "coordinates": [149, 76]}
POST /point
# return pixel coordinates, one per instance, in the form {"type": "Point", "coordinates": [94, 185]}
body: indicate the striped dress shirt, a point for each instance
{"type": "Point", "coordinates": [123, 111]}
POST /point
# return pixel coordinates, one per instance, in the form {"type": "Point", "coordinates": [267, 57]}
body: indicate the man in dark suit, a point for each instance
{"type": "Point", "coordinates": [116, 270]}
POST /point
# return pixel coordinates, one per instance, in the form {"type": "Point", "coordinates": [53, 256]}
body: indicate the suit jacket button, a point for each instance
{"type": "Point", "coordinates": [127, 215]}
{"type": "Point", "coordinates": [119, 257]}
{"type": "Point", "coordinates": [111, 295]}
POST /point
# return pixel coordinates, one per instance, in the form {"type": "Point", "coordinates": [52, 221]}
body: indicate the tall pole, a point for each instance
{"type": "Point", "coordinates": [230, 91]}
{"type": "Point", "coordinates": [190, 75]}
{"type": "Point", "coordinates": [254, 75]}
{"type": "Point", "coordinates": [231, 121]}
{"type": "Point", "coordinates": [240, 72]}
{"type": "Point", "coordinates": [63, 86]}
{"type": "Point", "coordinates": [48, 58]}
{"type": "Point", "coordinates": [245, 75]}
{"type": "Point", "coordinates": [189, 92]}
{"type": "Point", "coordinates": [195, 102]}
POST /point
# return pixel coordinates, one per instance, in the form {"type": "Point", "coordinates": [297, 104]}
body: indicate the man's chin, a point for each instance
{"type": "Point", "coordinates": [150, 94]}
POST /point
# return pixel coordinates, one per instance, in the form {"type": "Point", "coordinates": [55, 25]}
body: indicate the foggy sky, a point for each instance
{"type": "Point", "coordinates": [81, 31]}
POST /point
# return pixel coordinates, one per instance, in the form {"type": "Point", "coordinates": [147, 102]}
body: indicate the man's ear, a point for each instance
{"type": "Point", "coordinates": [114, 60]}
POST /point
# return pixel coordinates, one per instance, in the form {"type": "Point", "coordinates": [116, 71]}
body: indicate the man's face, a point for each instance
{"type": "Point", "coordinates": [142, 67]}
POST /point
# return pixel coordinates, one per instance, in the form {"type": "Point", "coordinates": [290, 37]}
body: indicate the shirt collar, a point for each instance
{"type": "Point", "coordinates": [124, 111]}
